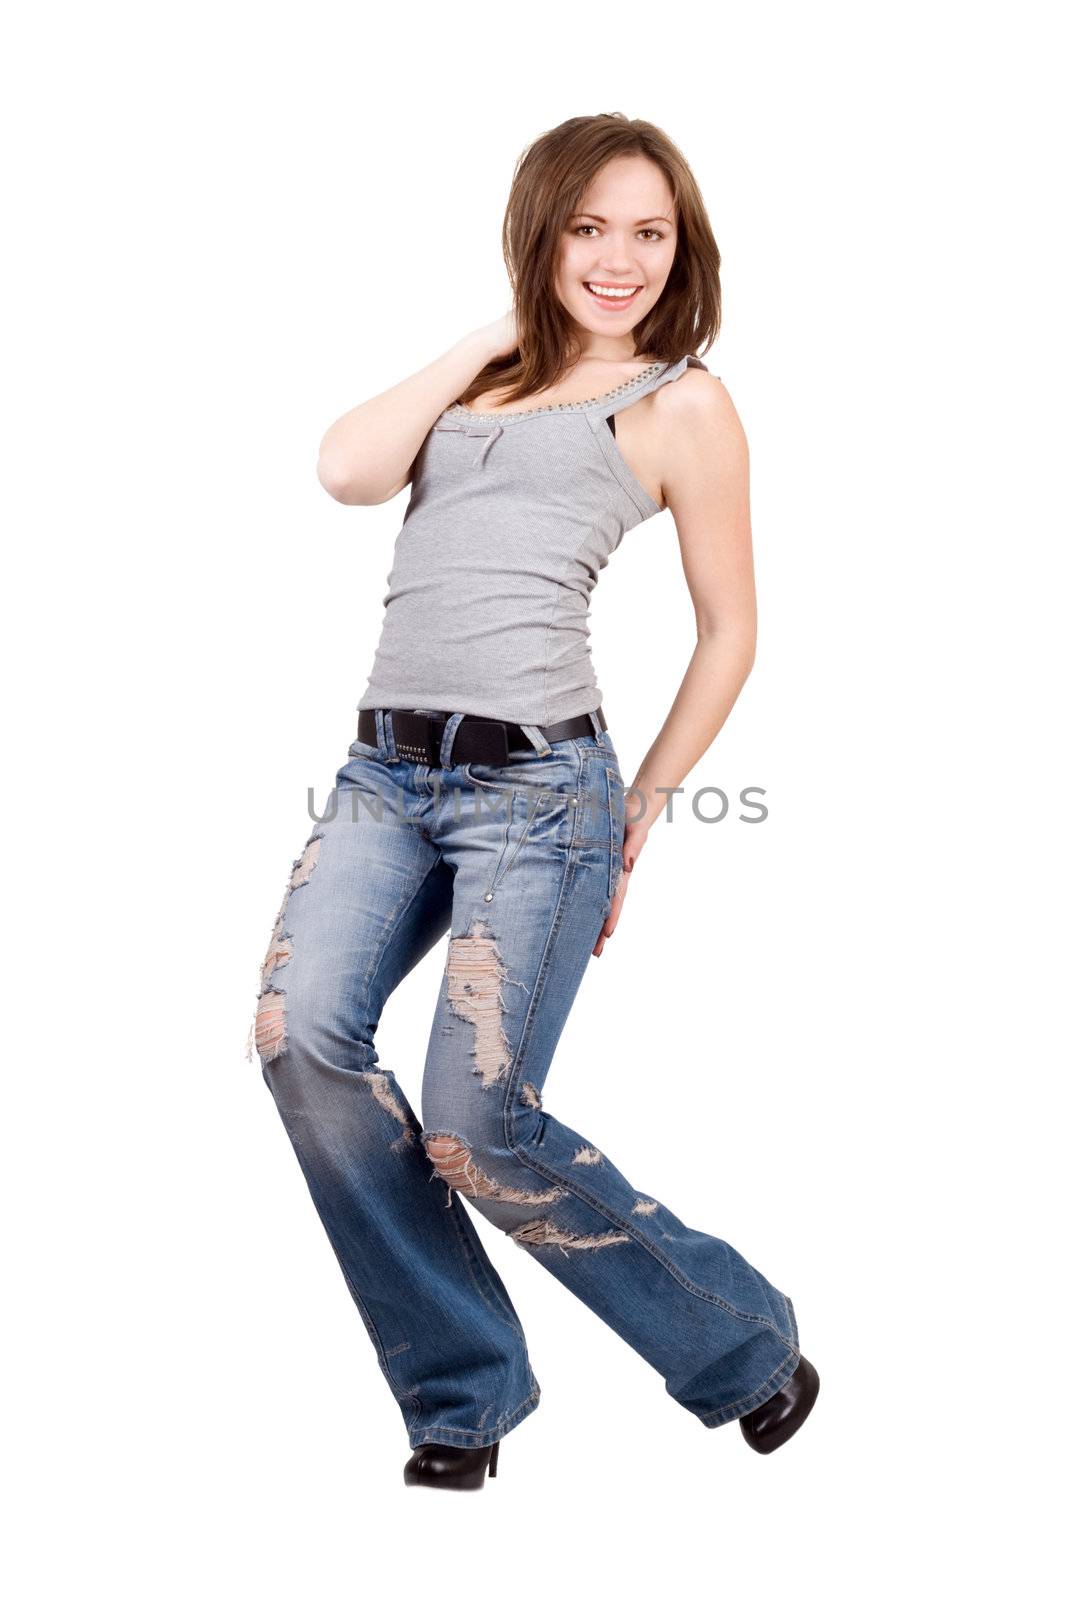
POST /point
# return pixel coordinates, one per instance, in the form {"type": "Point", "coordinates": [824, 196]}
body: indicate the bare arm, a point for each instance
{"type": "Point", "coordinates": [705, 483]}
{"type": "Point", "coordinates": [366, 456]}
{"type": "Point", "coordinates": [706, 486]}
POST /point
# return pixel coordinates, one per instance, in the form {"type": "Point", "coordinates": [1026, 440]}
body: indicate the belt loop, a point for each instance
{"type": "Point", "coordinates": [448, 734]}
{"type": "Point", "coordinates": [386, 742]}
{"type": "Point", "coordinates": [536, 738]}
{"type": "Point", "coordinates": [594, 717]}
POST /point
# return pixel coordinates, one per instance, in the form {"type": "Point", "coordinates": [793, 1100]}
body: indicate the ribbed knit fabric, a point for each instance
{"type": "Point", "coordinates": [511, 518]}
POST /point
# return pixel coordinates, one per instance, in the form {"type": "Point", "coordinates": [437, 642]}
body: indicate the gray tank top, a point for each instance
{"type": "Point", "coordinates": [511, 518]}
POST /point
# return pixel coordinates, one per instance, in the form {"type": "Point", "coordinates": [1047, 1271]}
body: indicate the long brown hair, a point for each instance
{"type": "Point", "coordinates": [551, 176]}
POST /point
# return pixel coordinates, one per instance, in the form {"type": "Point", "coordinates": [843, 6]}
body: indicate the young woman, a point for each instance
{"type": "Point", "coordinates": [483, 799]}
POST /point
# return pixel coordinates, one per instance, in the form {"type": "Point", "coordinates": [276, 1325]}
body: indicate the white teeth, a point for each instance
{"type": "Point", "coordinates": [612, 294]}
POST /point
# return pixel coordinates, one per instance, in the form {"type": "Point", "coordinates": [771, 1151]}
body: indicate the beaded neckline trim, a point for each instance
{"type": "Point", "coordinates": [566, 405]}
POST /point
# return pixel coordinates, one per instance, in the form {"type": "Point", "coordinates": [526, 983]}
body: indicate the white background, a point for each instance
{"type": "Point", "coordinates": [832, 1039]}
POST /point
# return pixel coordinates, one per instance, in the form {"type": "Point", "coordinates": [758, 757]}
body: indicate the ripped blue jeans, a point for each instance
{"type": "Point", "coordinates": [517, 864]}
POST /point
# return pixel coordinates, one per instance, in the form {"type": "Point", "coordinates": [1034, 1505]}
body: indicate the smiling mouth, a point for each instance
{"type": "Point", "coordinates": [613, 297]}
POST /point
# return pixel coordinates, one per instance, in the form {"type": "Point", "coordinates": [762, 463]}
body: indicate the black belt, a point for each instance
{"type": "Point", "coordinates": [418, 735]}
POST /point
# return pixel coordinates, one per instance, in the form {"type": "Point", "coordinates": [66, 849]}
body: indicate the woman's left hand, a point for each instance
{"type": "Point", "coordinates": [632, 845]}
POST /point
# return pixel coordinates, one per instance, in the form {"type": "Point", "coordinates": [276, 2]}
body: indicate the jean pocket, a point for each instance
{"type": "Point", "coordinates": [527, 770]}
{"type": "Point", "coordinates": [601, 802]}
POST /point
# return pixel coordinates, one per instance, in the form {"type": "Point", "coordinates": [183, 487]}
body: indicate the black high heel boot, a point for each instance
{"type": "Point", "coordinates": [446, 1466]}
{"type": "Point", "coordinates": [778, 1418]}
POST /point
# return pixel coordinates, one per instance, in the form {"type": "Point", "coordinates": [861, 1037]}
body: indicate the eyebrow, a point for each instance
{"type": "Point", "coordinates": [595, 218]}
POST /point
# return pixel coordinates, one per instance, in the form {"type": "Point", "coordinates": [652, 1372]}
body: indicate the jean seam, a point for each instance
{"type": "Point", "coordinates": [399, 1391]}
{"type": "Point", "coordinates": [792, 1320]}
{"type": "Point", "coordinates": [535, 999]}
{"type": "Point", "coordinates": [398, 916]}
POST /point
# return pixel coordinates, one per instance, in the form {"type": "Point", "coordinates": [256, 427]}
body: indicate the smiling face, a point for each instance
{"type": "Point", "coordinates": [621, 243]}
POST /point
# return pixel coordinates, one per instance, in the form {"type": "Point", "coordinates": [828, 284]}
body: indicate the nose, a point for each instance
{"type": "Point", "coordinates": [617, 268]}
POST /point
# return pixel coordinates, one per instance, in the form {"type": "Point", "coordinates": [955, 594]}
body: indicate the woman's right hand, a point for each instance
{"type": "Point", "coordinates": [500, 338]}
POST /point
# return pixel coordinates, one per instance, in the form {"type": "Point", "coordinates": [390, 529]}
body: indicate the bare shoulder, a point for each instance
{"type": "Point", "coordinates": [698, 432]}
{"type": "Point", "coordinates": [697, 401]}
{"type": "Point", "coordinates": [701, 446]}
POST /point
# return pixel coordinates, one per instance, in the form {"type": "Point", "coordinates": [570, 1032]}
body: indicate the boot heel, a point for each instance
{"type": "Point", "coordinates": [492, 1458]}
